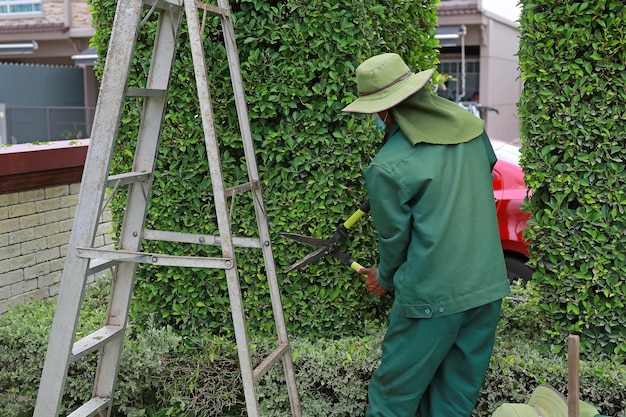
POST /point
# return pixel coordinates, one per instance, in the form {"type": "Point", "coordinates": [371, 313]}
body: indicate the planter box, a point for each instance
{"type": "Point", "coordinates": [31, 166]}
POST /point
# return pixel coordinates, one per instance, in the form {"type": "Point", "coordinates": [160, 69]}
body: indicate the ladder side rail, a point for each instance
{"type": "Point", "coordinates": [279, 317]}
{"type": "Point", "coordinates": [208, 126]}
{"type": "Point", "coordinates": [152, 114]}
{"type": "Point", "coordinates": [97, 163]}
{"type": "Point", "coordinates": [223, 220]}
{"type": "Point", "coordinates": [244, 124]}
{"type": "Point", "coordinates": [261, 218]}
{"type": "Point", "coordinates": [240, 97]}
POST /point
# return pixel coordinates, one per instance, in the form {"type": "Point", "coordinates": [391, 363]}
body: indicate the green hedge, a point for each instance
{"type": "Point", "coordinates": [573, 63]}
{"type": "Point", "coordinates": [298, 61]}
{"type": "Point", "coordinates": [162, 375]}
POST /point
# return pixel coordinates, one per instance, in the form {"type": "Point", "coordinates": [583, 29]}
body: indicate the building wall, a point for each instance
{"type": "Point", "coordinates": [74, 13]}
{"type": "Point", "coordinates": [62, 29]}
{"type": "Point", "coordinates": [497, 40]}
{"type": "Point", "coordinates": [35, 228]}
{"type": "Point", "coordinates": [500, 81]}
{"type": "Point", "coordinates": [39, 186]}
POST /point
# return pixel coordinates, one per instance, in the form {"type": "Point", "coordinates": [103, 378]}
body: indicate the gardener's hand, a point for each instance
{"type": "Point", "coordinates": [371, 282]}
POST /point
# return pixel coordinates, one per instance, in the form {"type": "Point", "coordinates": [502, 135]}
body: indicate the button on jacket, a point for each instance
{"type": "Point", "coordinates": [434, 210]}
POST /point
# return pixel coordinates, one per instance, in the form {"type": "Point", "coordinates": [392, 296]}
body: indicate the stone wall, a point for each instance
{"type": "Point", "coordinates": [36, 218]}
{"type": "Point", "coordinates": [35, 228]}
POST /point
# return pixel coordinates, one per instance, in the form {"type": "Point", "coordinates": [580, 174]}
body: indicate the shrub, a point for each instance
{"type": "Point", "coordinates": [24, 333]}
{"type": "Point", "coordinates": [298, 61]}
{"type": "Point", "coordinates": [204, 380]}
{"type": "Point", "coordinates": [162, 375]}
{"type": "Point", "coordinates": [572, 59]}
{"type": "Point", "coordinates": [518, 367]}
{"type": "Point", "coordinates": [333, 376]}
{"type": "Point", "coordinates": [521, 361]}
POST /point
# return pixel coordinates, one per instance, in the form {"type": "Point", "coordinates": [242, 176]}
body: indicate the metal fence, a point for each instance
{"type": "Point", "coordinates": [26, 124]}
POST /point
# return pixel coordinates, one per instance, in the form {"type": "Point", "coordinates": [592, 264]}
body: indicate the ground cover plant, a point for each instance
{"type": "Point", "coordinates": [163, 374]}
{"type": "Point", "coordinates": [24, 332]}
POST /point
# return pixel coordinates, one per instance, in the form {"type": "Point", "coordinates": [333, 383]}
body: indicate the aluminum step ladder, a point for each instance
{"type": "Point", "coordinates": [83, 259]}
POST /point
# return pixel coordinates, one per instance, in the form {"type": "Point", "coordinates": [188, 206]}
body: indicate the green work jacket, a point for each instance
{"type": "Point", "coordinates": [434, 211]}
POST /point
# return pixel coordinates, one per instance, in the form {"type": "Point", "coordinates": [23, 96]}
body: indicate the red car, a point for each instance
{"type": "Point", "coordinates": [510, 191]}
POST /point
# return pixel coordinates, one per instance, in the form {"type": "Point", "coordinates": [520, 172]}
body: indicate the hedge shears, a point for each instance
{"type": "Point", "coordinates": [329, 246]}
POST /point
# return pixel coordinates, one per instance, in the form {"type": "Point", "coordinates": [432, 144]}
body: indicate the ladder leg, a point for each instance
{"type": "Point", "coordinates": [97, 163]}
{"type": "Point", "coordinates": [213, 155]}
{"type": "Point", "coordinates": [152, 114]}
{"type": "Point", "coordinates": [109, 340]}
{"type": "Point", "coordinates": [91, 197]}
{"type": "Point", "coordinates": [279, 317]}
{"type": "Point", "coordinates": [261, 218]}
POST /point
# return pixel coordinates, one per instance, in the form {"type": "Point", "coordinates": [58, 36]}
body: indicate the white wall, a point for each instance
{"type": "Point", "coordinates": [500, 83]}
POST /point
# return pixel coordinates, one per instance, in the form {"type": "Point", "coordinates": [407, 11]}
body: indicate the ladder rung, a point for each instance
{"type": "Point", "coordinates": [214, 10]}
{"type": "Point", "coordinates": [155, 258]}
{"type": "Point", "coordinates": [99, 265]}
{"type": "Point", "coordinates": [127, 178]}
{"type": "Point", "coordinates": [145, 92]}
{"type": "Point", "coordinates": [268, 362]}
{"type": "Point", "coordinates": [163, 4]}
{"type": "Point", "coordinates": [243, 242]}
{"type": "Point", "coordinates": [94, 341]}
{"type": "Point", "coordinates": [91, 408]}
{"type": "Point", "coordinates": [238, 189]}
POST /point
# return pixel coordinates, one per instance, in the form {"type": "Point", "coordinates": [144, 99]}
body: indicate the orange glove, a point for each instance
{"type": "Point", "coordinates": [371, 282]}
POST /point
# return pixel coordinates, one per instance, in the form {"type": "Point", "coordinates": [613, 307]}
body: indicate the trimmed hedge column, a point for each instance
{"type": "Point", "coordinates": [298, 60]}
{"type": "Point", "coordinates": [572, 112]}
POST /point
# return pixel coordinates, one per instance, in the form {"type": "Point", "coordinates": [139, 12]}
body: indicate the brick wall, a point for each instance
{"type": "Point", "coordinates": [35, 228]}
{"type": "Point", "coordinates": [36, 219]}
{"type": "Point", "coordinates": [53, 11]}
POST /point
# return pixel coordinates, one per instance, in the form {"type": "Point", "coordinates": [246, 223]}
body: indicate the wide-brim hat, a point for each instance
{"type": "Point", "coordinates": [384, 81]}
{"type": "Point", "coordinates": [545, 401]}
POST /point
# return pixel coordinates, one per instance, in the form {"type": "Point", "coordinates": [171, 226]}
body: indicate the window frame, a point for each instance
{"type": "Point", "coordinates": [7, 5]}
{"type": "Point", "coordinates": [472, 67]}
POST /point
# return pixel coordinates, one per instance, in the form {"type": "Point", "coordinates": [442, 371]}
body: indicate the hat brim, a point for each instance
{"type": "Point", "coordinates": [551, 402]}
{"type": "Point", "coordinates": [390, 96]}
{"type": "Point", "coordinates": [515, 410]}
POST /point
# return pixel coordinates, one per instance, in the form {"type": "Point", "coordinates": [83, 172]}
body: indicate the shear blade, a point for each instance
{"type": "Point", "coordinates": [311, 241]}
{"type": "Point", "coordinates": [310, 258]}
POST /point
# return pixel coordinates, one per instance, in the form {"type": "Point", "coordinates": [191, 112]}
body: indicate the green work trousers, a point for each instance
{"type": "Point", "coordinates": [436, 365]}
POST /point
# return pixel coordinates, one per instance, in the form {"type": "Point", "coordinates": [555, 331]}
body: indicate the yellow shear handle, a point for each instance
{"type": "Point", "coordinates": [356, 266]}
{"type": "Point", "coordinates": [362, 211]}
{"type": "Point", "coordinates": [354, 218]}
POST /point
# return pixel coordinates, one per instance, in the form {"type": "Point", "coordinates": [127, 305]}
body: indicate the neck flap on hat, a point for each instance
{"type": "Point", "coordinates": [427, 118]}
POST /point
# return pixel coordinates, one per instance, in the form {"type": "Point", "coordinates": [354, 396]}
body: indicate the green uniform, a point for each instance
{"type": "Point", "coordinates": [440, 254]}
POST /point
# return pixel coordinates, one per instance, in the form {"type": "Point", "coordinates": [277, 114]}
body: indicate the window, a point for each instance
{"type": "Point", "coordinates": [17, 7]}
{"type": "Point", "coordinates": [454, 88]}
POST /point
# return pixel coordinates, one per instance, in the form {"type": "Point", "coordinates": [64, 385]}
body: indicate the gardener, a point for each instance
{"type": "Point", "coordinates": [433, 207]}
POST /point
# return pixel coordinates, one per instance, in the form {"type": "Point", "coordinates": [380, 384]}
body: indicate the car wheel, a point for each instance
{"type": "Point", "coordinates": [516, 269]}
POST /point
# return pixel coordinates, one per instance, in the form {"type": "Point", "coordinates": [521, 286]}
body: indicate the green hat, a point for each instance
{"type": "Point", "coordinates": [384, 81]}
{"type": "Point", "coordinates": [545, 401]}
